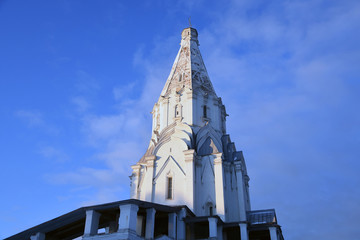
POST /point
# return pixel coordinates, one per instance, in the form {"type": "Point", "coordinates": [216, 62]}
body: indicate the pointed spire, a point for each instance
{"type": "Point", "coordinates": [188, 70]}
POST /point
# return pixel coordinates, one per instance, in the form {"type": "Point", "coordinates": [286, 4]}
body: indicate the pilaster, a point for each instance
{"type": "Point", "coordinates": [135, 182]}
{"type": "Point", "coordinates": [190, 157]}
{"type": "Point", "coordinates": [219, 186]}
{"type": "Point", "coordinates": [240, 190]}
{"type": "Point", "coordinates": [150, 169]}
{"type": "Point", "coordinates": [164, 110]}
{"type": "Point", "coordinates": [197, 185]}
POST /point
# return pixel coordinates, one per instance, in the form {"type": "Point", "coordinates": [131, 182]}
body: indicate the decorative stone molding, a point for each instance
{"type": "Point", "coordinates": [190, 155]}
{"type": "Point", "coordinates": [238, 166]}
{"type": "Point", "coordinates": [136, 167]}
{"type": "Point", "coordinates": [218, 158]}
{"type": "Point", "coordinates": [150, 160]}
{"type": "Point", "coordinates": [191, 95]}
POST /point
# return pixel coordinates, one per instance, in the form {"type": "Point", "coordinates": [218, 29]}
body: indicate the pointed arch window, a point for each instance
{"type": "Point", "coordinates": [209, 209]}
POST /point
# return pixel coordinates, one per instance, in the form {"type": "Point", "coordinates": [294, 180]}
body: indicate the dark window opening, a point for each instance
{"type": "Point", "coordinates": [204, 112]}
{"type": "Point", "coordinates": [169, 189]}
{"type": "Point", "coordinates": [161, 224]}
{"type": "Point", "coordinates": [210, 211]}
{"type": "Point", "coordinates": [177, 111]}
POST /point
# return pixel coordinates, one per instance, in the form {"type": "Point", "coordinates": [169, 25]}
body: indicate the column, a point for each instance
{"type": "Point", "coordinates": [135, 182]}
{"type": "Point", "coordinates": [181, 227]}
{"type": "Point", "coordinates": [189, 161]}
{"type": "Point", "coordinates": [38, 236]}
{"type": "Point", "coordinates": [212, 228]}
{"type": "Point", "coordinates": [148, 185]}
{"type": "Point", "coordinates": [91, 223]}
{"type": "Point", "coordinates": [150, 223]}
{"type": "Point", "coordinates": [128, 218]}
{"type": "Point", "coordinates": [219, 186]}
{"type": "Point", "coordinates": [240, 190]}
{"type": "Point", "coordinates": [273, 233]}
{"type": "Point", "coordinates": [172, 225]}
{"type": "Point", "coordinates": [243, 231]}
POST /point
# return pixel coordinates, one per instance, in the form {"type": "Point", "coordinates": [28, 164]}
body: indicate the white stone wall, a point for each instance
{"type": "Point", "coordinates": [205, 187]}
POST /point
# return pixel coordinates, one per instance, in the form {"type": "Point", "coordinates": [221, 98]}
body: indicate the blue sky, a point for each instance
{"type": "Point", "coordinates": [79, 78]}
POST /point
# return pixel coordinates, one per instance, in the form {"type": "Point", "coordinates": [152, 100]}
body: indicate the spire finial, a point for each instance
{"type": "Point", "coordinates": [190, 21]}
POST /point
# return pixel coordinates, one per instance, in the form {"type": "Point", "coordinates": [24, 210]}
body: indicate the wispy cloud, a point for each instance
{"type": "Point", "coordinates": [287, 74]}
{"type": "Point", "coordinates": [54, 153]}
{"type": "Point", "coordinates": [35, 119]}
{"type": "Point", "coordinates": [81, 104]}
{"type": "Point", "coordinates": [288, 82]}
{"type": "Point", "coordinates": [86, 83]}
{"type": "Point", "coordinates": [32, 118]}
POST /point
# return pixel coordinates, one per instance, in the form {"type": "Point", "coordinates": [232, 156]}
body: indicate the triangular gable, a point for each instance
{"type": "Point", "coordinates": [164, 166]}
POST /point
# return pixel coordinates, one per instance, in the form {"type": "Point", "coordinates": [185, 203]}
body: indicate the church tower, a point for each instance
{"type": "Point", "coordinates": [191, 182]}
{"type": "Point", "coordinates": [190, 159]}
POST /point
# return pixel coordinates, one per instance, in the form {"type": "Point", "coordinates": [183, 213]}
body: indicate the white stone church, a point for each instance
{"type": "Point", "coordinates": [191, 183]}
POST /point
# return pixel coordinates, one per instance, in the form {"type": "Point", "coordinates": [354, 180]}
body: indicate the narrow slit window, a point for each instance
{"type": "Point", "coordinates": [169, 188]}
{"type": "Point", "coordinates": [204, 112]}
{"type": "Point", "coordinates": [177, 111]}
